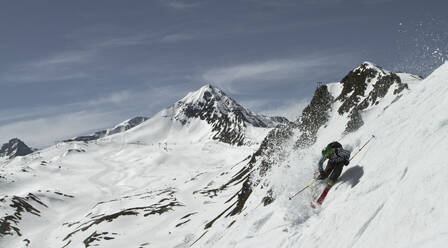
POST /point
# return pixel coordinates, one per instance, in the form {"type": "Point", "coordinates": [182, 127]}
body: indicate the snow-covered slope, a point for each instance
{"type": "Point", "coordinates": [391, 195]}
{"type": "Point", "coordinates": [170, 182]}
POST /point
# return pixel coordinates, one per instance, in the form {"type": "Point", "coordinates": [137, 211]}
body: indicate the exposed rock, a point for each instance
{"type": "Point", "coordinates": [166, 203]}
{"type": "Point", "coordinates": [314, 116]}
{"type": "Point", "coordinates": [355, 121]}
{"type": "Point", "coordinates": [353, 94]}
{"type": "Point", "coordinates": [15, 147]}
{"type": "Point", "coordinates": [19, 205]}
{"type": "Point", "coordinates": [97, 237]}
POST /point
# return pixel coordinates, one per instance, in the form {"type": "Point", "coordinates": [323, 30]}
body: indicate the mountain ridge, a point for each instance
{"type": "Point", "coordinates": [229, 119]}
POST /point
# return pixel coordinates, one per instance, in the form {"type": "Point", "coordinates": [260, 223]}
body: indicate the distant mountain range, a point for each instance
{"type": "Point", "coordinates": [227, 118]}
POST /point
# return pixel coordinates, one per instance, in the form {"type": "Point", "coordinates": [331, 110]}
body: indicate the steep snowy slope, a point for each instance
{"type": "Point", "coordinates": [392, 193]}
{"type": "Point", "coordinates": [400, 199]}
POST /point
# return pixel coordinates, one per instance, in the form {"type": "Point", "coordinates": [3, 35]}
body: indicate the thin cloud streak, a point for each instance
{"type": "Point", "coordinates": [59, 67]}
{"type": "Point", "coordinates": [44, 131]}
{"type": "Point", "coordinates": [181, 4]}
{"type": "Point", "coordinates": [173, 38]}
{"type": "Point", "coordinates": [289, 108]}
{"type": "Point", "coordinates": [270, 70]}
{"type": "Point", "coordinates": [290, 3]}
{"type": "Point", "coordinates": [74, 64]}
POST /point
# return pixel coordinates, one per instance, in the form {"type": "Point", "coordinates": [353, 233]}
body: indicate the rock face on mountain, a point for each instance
{"type": "Point", "coordinates": [228, 118]}
{"type": "Point", "coordinates": [15, 147]}
{"type": "Point", "coordinates": [314, 116]}
{"type": "Point", "coordinates": [124, 126]}
{"type": "Point", "coordinates": [364, 87]}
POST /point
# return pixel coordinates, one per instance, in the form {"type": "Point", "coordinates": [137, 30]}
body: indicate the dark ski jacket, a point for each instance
{"type": "Point", "coordinates": [339, 156]}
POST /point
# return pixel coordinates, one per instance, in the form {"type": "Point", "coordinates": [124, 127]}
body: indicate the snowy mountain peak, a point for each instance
{"type": "Point", "coordinates": [367, 65]}
{"type": "Point", "coordinates": [203, 94]}
{"type": "Point", "coordinates": [228, 118]}
{"type": "Point", "coordinates": [15, 147]}
{"type": "Point", "coordinates": [212, 96]}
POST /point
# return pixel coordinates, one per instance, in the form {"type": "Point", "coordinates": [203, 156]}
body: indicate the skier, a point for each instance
{"type": "Point", "coordinates": [337, 158]}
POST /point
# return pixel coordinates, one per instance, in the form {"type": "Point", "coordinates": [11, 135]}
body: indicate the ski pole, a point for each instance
{"type": "Point", "coordinates": [309, 185]}
{"type": "Point", "coordinates": [373, 136]}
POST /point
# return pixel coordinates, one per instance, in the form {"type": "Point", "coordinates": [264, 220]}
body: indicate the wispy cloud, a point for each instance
{"type": "Point", "coordinates": [173, 38]}
{"type": "Point", "coordinates": [181, 4]}
{"type": "Point", "coordinates": [289, 3]}
{"type": "Point", "coordinates": [269, 70]}
{"type": "Point", "coordinates": [289, 108]}
{"type": "Point", "coordinates": [44, 131]}
{"type": "Point", "coordinates": [113, 98]}
{"type": "Point", "coordinates": [59, 67]}
{"type": "Point", "coordinates": [139, 39]}
{"type": "Point", "coordinates": [120, 41]}
{"type": "Point", "coordinates": [222, 76]}
{"type": "Point", "coordinates": [75, 64]}
{"type": "Point", "coordinates": [62, 59]}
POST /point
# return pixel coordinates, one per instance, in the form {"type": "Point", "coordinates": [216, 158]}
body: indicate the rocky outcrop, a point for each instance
{"type": "Point", "coordinates": [15, 147]}
{"type": "Point", "coordinates": [355, 97]}
{"type": "Point", "coordinates": [314, 116]}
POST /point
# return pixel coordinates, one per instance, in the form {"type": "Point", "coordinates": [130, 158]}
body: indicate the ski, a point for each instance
{"type": "Point", "coordinates": [321, 198]}
{"type": "Point", "coordinates": [323, 195]}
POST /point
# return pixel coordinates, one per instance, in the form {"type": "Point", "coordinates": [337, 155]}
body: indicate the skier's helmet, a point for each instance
{"type": "Point", "coordinates": [327, 152]}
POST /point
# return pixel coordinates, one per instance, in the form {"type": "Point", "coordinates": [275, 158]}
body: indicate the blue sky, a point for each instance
{"type": "Point", "coordinates": [72, 67]}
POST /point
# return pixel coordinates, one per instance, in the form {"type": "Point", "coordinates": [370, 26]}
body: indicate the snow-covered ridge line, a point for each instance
{"type": "Point", "coordinates": [122, 127]}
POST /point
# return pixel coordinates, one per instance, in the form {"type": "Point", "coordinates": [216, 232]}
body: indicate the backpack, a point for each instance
{"type": "Point", "coordinates": [335, 145]}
